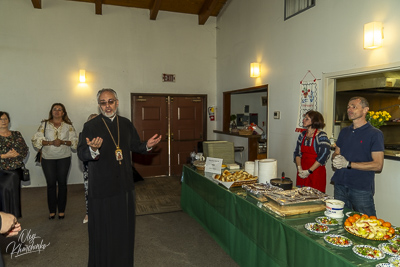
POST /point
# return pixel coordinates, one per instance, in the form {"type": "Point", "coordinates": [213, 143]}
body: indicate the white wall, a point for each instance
{"type": "Point", "coordinates": [42, 50]}
{"type": "Point", "coordinates": [328, 38]}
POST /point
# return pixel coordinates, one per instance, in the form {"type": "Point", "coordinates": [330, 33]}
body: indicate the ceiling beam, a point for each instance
{"type": "Point", "coordinates": [206, 10]}
{"type": "Point", "coordinates": [154, 9]}
{"type": "Point", "coordinates": [98, 7]}
{"type": "Point", "coordinates": [37, 4]}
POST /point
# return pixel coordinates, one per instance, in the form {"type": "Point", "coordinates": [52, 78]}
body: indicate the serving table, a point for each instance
{"type": "Point", "coordinates": [255, 236]}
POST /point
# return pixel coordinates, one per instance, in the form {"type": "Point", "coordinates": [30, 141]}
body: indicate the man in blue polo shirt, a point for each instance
{"type": "Point", "coordinates": [358, 155]}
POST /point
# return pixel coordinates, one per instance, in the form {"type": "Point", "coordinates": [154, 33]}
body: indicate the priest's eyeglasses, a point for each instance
{"type": "Point", "coordinates": [109, 102]}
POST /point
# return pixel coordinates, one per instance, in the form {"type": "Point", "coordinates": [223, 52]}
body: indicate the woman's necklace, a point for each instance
{"type": "Point", "coordinates": [118, 151]}
{"type": "Point", "coordinates": [310, 134]}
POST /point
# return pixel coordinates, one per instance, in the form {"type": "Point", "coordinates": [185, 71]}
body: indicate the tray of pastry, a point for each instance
{"type": "Point", "coordinates": [257, 190]}
{"type": "Point", "coordinates": [235, 179]}
{"type": "Point", "coordinates": [297, 196]}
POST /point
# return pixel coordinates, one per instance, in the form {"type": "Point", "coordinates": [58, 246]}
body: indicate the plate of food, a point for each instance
{"type": "Point", "coordinates": [395, 261]}
{"type": "Point", "coordinates": [326, 220]}
{"type": "Point", "coordinates": [369, 227]}
{"type": "Point", "coordinates": [384, 264]}
{"type": "Point", "coordinates": [317, 228]}
{"type": "Point", "coordinates": [368, 252]}
{"type": "Point", "coordinates": [338, 240]}
{"type": "Point", "coordinates": [390, 249]}
{"type": "Point", "coordinates": [396, 230]}
{"type": "Point", "coordinates": [395, 240]}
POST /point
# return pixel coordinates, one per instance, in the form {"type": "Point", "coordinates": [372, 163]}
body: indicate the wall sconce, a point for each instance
{"type": "Point", "coordinates": [82, 76]}
{"type": "Point", "coordinates": [255, 70]}
{"type": "Point", "coordinates": [373, 35]}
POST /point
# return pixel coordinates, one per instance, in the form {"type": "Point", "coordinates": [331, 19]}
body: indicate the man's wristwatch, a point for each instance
{"type": "Point", "coordinates": [349, 165]}
{"type": "Point", "coordinates": [310, 171]}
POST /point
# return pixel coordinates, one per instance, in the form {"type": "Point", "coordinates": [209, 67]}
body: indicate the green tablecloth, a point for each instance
{"type": "Point", "coordinates": [253, 236]}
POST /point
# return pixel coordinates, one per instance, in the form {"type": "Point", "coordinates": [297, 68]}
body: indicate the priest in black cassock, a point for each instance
{"type": "Point", "coordinates": [106, 144]}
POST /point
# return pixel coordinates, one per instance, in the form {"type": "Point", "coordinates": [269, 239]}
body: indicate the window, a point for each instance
{"type": "Point", "coordinates": [294, 7]}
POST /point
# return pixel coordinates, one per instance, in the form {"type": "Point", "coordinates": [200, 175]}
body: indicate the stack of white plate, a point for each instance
{"type": "Point", "coordinates": [249, 167]}
{"type": "Point", "coordinates": [267, 170]}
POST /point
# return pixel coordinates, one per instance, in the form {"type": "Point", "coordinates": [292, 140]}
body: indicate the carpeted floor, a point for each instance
{"type": "Point", "coordinates": [158, 195]}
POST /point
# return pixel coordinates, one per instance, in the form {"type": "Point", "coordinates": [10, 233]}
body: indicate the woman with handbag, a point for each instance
{"type": "Point", "coordinates": [13, 150]}
{"type": "Point", "coordinates": [56, 137]}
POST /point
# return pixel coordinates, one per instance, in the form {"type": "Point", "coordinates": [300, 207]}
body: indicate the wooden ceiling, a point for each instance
{"type": "Point", "coordinates": [202, 8]}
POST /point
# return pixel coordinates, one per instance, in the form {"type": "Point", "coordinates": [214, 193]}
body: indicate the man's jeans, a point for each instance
{"type": "Point", "coordinates": [358, 200]}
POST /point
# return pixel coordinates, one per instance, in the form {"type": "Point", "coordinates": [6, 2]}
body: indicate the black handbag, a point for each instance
{"type": "Point", "coordinates": [38, 157]}
{"type": "Point", "coordinates": [25, 177]}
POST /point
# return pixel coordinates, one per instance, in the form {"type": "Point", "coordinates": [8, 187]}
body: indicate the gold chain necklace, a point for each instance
{"type": "Point", "coordinates": [118, 151]}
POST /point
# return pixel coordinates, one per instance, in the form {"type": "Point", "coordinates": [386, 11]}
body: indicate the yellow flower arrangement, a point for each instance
{"type": "Point", "coordinates": [378, 118]}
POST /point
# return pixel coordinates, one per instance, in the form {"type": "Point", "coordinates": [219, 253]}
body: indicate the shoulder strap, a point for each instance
{"type": "Point", "coordinates": [44, 129]}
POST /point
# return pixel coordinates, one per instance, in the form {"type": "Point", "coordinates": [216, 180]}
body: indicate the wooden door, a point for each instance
{"type": "Point", "coordinates": [150, 113]}
{"type": "Point", "coordinates": [187, 124]}
{"type": "Point", "coordinates": [181, 122]}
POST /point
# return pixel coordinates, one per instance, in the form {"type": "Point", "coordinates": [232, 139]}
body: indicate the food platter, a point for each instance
{"type": "Point", "coordinates": [326, 220]}
{"type": "Point", "coordinates": [257, 190]}
{"type": "Point", "coordinates": [395, 240]}
{"type": "Point", "coordinates": [234, 179]}
{"type": "Point", "coordinates": [317, 228]}
{"type": "Point", "coordinates": [298, 196]}
{"type": "Point", "coordinates": [378, 239]}
{"type": "Point", "coordinates": [394, 261]}
{"type": "Point", "coordinates": [338, 241]}
{"type": "Point", "coordinates": [369, 227]}
{"type": "Point", "coordinates": [390, 249]}
{"type": "Point", "coordinates": [384, 264]}
{"type": "Point", "coordinates": [368, 252]}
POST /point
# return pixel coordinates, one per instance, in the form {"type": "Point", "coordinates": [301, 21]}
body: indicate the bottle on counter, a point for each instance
{"type": "Point", "coordinates": [333, 142]}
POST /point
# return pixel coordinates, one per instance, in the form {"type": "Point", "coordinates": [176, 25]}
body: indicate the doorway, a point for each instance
{"type": "Point", "coordinates": [259, 104]}
{"type": "Point", "coordinates": [180, 119]}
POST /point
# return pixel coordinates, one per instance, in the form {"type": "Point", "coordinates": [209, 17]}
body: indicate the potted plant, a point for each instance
{"type": "Point", "coordinates": [378, 118]}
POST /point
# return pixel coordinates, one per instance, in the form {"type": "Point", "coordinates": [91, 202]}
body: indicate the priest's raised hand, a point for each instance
{"type": "Point", "coordinates": [95, 143]}
{"type": "Point", "coordinates": [154, 140]}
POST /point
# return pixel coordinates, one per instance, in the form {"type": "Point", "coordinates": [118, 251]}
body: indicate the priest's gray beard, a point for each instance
{"type": "Point", "coordinates": [110, 116]}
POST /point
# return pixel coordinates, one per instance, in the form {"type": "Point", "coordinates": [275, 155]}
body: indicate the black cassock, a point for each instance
{"type": "Point", "coordinates": [111, 191]}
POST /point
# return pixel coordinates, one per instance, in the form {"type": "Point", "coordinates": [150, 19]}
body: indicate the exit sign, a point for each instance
{"type": "Point", "coordinates": [168, 77]}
